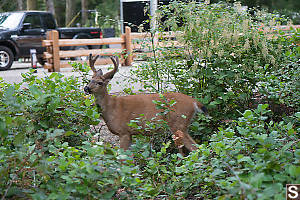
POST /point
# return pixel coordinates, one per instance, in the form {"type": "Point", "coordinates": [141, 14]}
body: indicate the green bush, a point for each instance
{"type": "Point", "coordinates": [35, 115]}
{"type": "Point", "coordinates": [229, 59]}
{"type": "Point", "coordinates": [251, 158]}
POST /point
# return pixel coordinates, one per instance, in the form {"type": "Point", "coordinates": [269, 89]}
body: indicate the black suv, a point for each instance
{"type": "Point", "coordinates": [25, 30]}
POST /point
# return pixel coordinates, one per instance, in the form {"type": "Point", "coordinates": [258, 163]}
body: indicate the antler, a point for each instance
{"type": "Point", "coordinates": [92, 60]}
{"type": "Point", "coordinates": [110, 75]}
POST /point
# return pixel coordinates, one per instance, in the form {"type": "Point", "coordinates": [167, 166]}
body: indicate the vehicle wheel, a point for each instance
{"type": "Point", "coordinates": [6, 58]}
{"type": "Point", "coordinates": [83, 58]}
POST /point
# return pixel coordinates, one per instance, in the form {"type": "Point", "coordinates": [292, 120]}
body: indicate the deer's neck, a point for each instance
{"type": "Point", "coordinates": [103, 100]}
{"type": "Point", "coordinates": [106, 104]}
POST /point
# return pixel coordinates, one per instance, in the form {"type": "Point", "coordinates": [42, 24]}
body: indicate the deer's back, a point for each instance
{"type": "Point", "coordinates": [127, 108]}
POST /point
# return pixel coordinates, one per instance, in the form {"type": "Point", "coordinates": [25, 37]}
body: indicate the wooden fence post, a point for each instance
{"type": "Point", "coordinates": [128, 46]}
{"type": "Point", "coordinates": [123, 47]}
{"type": "Point", "coordinates": [49, 50]}
{"type": "Point", "coordinates": [55, 50]}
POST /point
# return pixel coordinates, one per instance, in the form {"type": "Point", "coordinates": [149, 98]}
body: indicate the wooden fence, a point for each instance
{"type": "Point", "coordinates": [130, 45]}
{"type": "Point", "coordinates": [54, 55]}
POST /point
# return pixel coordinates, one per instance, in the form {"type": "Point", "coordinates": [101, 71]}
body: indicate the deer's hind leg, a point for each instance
{"type": "Point", "coordinates": [188, 142]}
{"type": "Point", "coordinates": [183, 138]}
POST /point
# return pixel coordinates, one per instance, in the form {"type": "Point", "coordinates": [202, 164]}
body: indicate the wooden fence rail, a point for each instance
{"type": "Point", "coordinates": [54, 54]}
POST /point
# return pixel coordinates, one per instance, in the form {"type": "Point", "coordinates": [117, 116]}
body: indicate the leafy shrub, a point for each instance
{"type": "Point", "coordinates": [34, 115]}
{"type": "Point", "coordinates": [280, 88]}
{"type": "Point", "coordinates": [228, 60]}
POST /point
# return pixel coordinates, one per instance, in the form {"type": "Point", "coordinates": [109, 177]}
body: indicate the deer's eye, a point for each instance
{"type": "Point", "coordinates": [97, 82]}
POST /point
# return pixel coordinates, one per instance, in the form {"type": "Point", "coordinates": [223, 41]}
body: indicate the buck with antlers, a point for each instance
{"type": "Point", "coordinates": [118, 111]}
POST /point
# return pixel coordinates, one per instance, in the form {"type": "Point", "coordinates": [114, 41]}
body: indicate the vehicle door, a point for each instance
{"type": "Point", "coordinates": [31, 34]}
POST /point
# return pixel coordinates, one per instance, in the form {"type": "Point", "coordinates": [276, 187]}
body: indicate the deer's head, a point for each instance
{"type": "Point", "coordinates": [99, 80]}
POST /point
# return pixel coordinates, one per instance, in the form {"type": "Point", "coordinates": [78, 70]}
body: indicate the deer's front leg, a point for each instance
{"type": "Point", "coordinates": [125, 141]}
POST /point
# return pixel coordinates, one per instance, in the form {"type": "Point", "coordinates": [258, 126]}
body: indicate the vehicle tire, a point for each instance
{"type": "Point", "coordinates": [6, 58]}
{"type": "Point", "coordinates": [83, 58]}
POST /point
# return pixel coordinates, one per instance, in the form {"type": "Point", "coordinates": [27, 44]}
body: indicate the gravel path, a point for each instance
{"type": "Point", "coordinates": [118, 83]}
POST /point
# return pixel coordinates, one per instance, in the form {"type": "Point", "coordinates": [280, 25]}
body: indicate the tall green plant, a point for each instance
{"type": "Point", "coordinates": [225, 53]}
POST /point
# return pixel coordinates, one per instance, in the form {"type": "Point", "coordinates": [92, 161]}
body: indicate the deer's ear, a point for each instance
{"type": "Point", "coordinates": [99, 73]}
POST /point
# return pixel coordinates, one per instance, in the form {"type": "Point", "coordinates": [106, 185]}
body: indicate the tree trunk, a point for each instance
{"type": "Point", "coordinates": [50, 6]}
{"type": "Point", "coordinates": [20, 5]}
{"type": "Point", "coordinates": [31, 4]}
{"type": "Point", "coordinates": [70, 11]}
{"type": "Point", "coordinates": [84, 14]}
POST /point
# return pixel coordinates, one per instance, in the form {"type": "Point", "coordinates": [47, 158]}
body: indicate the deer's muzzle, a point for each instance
{"type": "Point", "coordinates": [87, 90]}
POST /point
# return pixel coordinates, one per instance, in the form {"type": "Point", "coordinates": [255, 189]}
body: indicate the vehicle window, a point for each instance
{"type": "Point", "coordinates": [49, 22]}
{"type": "Point", "coordinates": [10, 20]}
{"type": "Point", "coordinates": [34, 20]}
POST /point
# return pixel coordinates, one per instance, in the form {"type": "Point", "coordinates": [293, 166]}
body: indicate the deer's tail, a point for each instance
{"type": "Point", "coordinates": [199, 107]}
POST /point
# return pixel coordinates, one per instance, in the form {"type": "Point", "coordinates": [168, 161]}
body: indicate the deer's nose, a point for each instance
{"type": "Point", "coordinates": [87, 90]}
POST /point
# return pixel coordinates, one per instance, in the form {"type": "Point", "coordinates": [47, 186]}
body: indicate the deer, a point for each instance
{"type": "Point", "coordinates": [118, 111]}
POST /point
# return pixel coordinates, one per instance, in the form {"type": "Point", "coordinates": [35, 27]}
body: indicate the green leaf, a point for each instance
{"type": "Point", "coordinates": [272, 190]}
{"type": "Point", "coordinates": [217, 172]}
{"type": "Point", "coordinates": [286, 147]}
{"type": "Point", "coordinates": [264, 106]}
{"type": "Point", "coordinates": [68, 133]}
{"type": "Point", "coordinates": [246, 159]}
{"type": "Point", "coordinates": [3, 129]}
{"type": "Point", "coordinates": [87, 102]}
{"type": "Point", "coordinates": [55, 133]}
{"type": "Point", "coordinates": [109, 195]}
{"type": "Point", "coordinates": [240, 156]}
{"type": "Point", "coordinates": [53, 75]}
{"type": "Point", "coordinates": [289, 126]}
{"type": "Point", "coordinates": [19, 138]}
{"type": "Point", "coordinates": [90, 113]}
{"type": "Point", "coordinates": [257, 180]}
{"type": "Point", "coordinates": [179, 170]}
{"type": "Point", "coordinates": [297, 114]}
{"type": "Point", "coordinates": [261, 137]}
{"type": "Point", "coordinates": [294, 171]}
{"type": "Point", "coordinates": [281, 177]}
{"type": "Point", "coordinates": [297, 153]}
{"type": "Point", "coordinates": [214, 103]}
{"type": "Point", "coordinates": [247, 113]}
{"type": "Point", "coordinates": [67, 178]}
{"type": "Point", "coordinates": [138, 180]}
